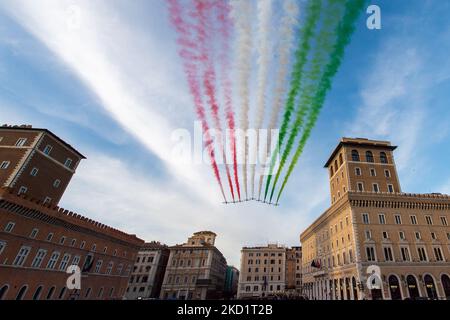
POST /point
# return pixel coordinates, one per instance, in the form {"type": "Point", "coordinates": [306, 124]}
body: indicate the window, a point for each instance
{"type": "Point", "coordinates": [370, 252]}
{"type": "Point", "coordinates": [360, 186]}
{"type": "Point", "coordinates": [418, 235]}
{"type": "Point", "coordinates": [21, 142]}
{"type": "Point", "coordinates": [444, 221]}
{"type": "Point", "coordinates": [34, 233]}
{"type": "Point", "coordinates": [48, 148]}
{"type": "Point", "coordinates": [98, 266]}
{"type": "Point", "coordinates": [5, 165]}
{"type": "Point", "coordinates": [109, 268]}
{"type": "Point", "coordinates": [413, 219]}
{"type": "Point", "coordinates": [340, 159]}
{"type": "Point", "coordinates": [387, 173]}
{"type": "Point", "coordinates": [373, 173]}
{"type": "Point", "coordinates": [336, 165]}
{"type": "Point", "coordinates": [382, 218]}
{"type": "Point", "coordinates": [429, 220]}
{"type": "Point", "coordinates": [398, 219]}
{"type": "Point", "coordinates": [40, 255]}
{"type": "Point", "coordinates": [433, 236]}
{"type": "Point", "coordinates": [21, 256]}
{"type": "Point", "coordinates": [355, 155]}
{"type": "Point", "coordinates": [76, 260]}
{"type": "Point", "coordinates": [22, 190]}
{"type": "Point", "coordinates": [73, 242]}
{"type": "Point", "coordinates": [68, 162]}
{"type": "Point", "coordinates": [94, 247]}
{"type": "Point", "coordinates": [88, 293]}
{"type": "Point", "coordinates": [47, 200]}
{"type": "Point", "coordinates": [9, 226]}
{"type": "Point", "coordinates": [64, 262]}
{"type": "Point", "coordinates": [383, 157]}
{"type": "Point", "coordinates": [390, 188]}
{"type": "Point", "coordinates": [2, 246]}
{"type": "Point", "coordinates": [62, 240]}
{"type": "Point", "coordinates": [82, 244]}
{"type": "Point", "coordinates": [388, 254]}
{"type": "Point", "coordinates": [405, 254]}
{"type": "Point", "coordinates": [53, 259]}
{"type": "Point", "coordinates": [401, 235]}
{"type": "Point", "coordinates": [422, 254]}
{"type": "Point", "coordinates": [34, 172]}
{"type": "Point", "coordinates": [369, 156]}
{"type": "Point", "coordinates": [119, 269]}
{"type": "Point", "coordinates": [375, 187]}
{"type": "Point", "coordinates": [365, 218]}
{"type": "Point", "coordinates": [49, 237]}
{"type": "Point", "coordinates": [385, 235]}
{"type": "Point", "coordinates": [438, 254]}
{"type": "Point", "coordinates": [56, 183]}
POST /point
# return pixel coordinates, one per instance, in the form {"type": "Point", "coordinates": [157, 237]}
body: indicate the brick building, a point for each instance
{"type": "Point", "coordinates": [148, 271]}
{"type": "Point", "coordinates": [36, 162]}
{"type": "Point", "coordinates": [39, 240]}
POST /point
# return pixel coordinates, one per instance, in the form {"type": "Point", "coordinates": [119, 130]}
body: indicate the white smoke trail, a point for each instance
{"type": "Point", "coordinates": [241, 12]}
{"type": "Point", "coordinates": [264, 19]}
{"type": "Point", "coordinates": [288, 25]}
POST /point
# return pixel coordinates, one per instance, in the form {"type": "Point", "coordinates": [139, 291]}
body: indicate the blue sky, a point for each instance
{"type": "Point", "coordinates": [114, 88]}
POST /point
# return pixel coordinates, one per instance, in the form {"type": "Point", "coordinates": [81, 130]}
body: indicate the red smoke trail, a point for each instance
{"type": "Point", "coordinates": [187, 46]}
{"type": "Point", "coordinates": [225, 27]}
{"type": "Point", "coordinates": [201, 14]}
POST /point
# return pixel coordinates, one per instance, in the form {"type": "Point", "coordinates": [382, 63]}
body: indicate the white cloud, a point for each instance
{"type": "Point", "coordinates": [113, 59]}
{"type": "Point", "coordinates": [105, 189]}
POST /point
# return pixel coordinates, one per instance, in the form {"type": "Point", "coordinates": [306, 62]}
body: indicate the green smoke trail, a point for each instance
{"type": "Point", "coordinates": [325, 42]}
{"type": "Point", "coordinates": [301, 55]}
{"type": "Point", "coordinates": [344, 32]}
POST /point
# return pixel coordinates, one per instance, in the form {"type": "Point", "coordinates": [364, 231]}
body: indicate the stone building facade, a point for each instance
{"type": "Point", "coordinates": [375, 241]}
{"type": "Point", "coordinates": [148, 272]}
{"type": "Point", "coordinates": [196, 270]}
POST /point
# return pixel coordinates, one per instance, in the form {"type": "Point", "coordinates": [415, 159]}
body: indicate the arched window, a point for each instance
{"type": "Point", "coordinates": [412, 287]}
{"type": "Point", "coordinates": [336, 165]}
{"type": "Point", "coordinates": [355, 289]}
{"type": "Point", "coordinates": [88, 293]}
{"type": "Point", "coordinates": [100, 293]}
{"type": "Point", "coordinates": [431, 288]}
{"type": "Point", "coordinates": [37, 293]}
{"type": "Point", "coordinates": [341, 161]}
{"type": "Point", "coordinates": [62, 293]}
{"type": "Point", "coordinates": [331, 171]}
{"type": "Point", "coordinates": [394, 288]}
{"type": "Point", "coordinates": [21, 292]}
{"type": "Point", "coordinates": [383, 157]}
{"type": "Point", "coordinates": [3, 291]}
{"type": "Point", "coordinates": [355, 155]}
{"type": "Point", "coordinates": [445, 279]}
{"type": "Point", "coordinates": [369, 156]}
{"type": "Point", "coordinates": [50, 293]}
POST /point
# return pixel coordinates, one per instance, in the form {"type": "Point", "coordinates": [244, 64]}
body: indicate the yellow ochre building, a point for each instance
{"type": "Point", "coordinates": [374, 227]}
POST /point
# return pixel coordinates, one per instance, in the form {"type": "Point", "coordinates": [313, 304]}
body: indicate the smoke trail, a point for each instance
{"type": "Point", "coordinates": [189, 54]}
{"type": "Point", "coordinates": [241, 11]}
{"type": "Point", "coordinates": [301, 55]}
{"type": "Point", "coordinates": [288, 25]}
{"type": "Point", "coordinates": [225, 28]}
{"type": "Point", "coordinates": [264, 19]}
{"type": "Point", "coordinates": [344, 32]}
{"type": "Point", "coordinates": [202, 12]}
{"type": "Point", "coordinates": [324, 45]}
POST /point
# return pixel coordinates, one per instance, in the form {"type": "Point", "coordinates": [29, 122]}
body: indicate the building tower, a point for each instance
{"type": "Point", "coordinates": [36, 162]}
{"type": "Point", "coordinates": [362, 165]}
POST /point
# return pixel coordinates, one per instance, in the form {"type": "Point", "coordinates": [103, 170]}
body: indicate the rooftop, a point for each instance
{"type": "Point", "coordinates": [360, 142]}
{"type": "Point", "coordinates": [28, 127]}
